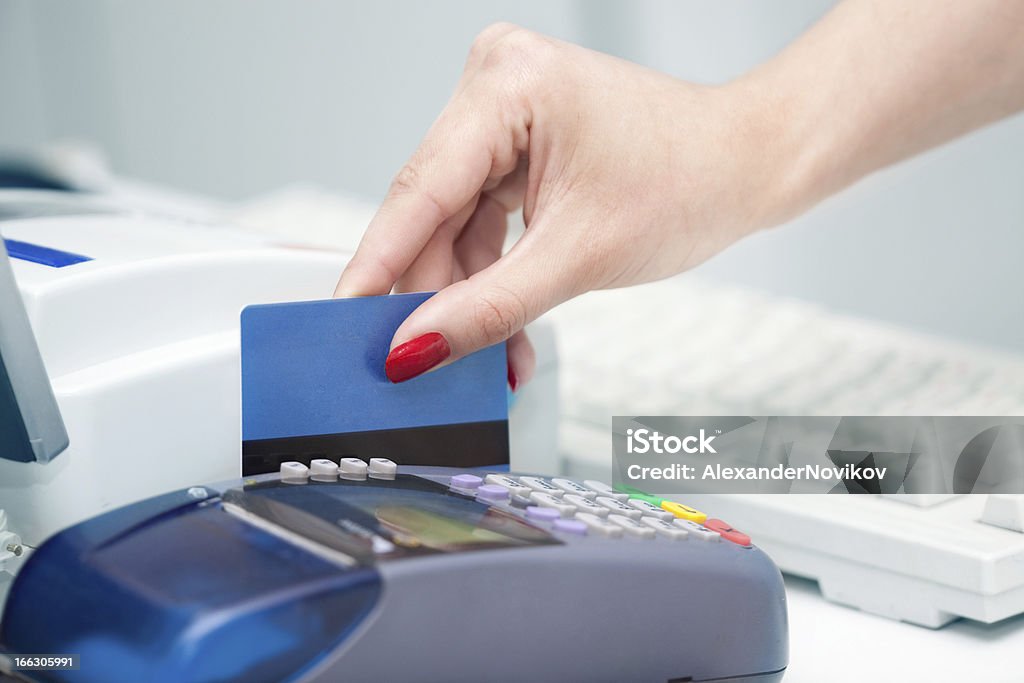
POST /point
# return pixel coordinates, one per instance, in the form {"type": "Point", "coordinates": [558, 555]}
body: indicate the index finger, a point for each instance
{"type": "Point", "coordinates": [464, 146]}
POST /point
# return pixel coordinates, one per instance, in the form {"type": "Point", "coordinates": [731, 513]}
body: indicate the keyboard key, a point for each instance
{"type": "Point", "coordinates": [603, 489]}
{"type": "Point", "coordinates": [546, 500]}
{"type": "Point", "coordinates": [664, 528]}
{"type": "Point", "coordinates": [492, 493]}
{"type": "Point", "coordinates": [570, 486]}
{"type": "Point", "coordinates": [321, 467]}
{"type": "Point", "coordinates": [520, 501]}
{"type": "Point", "coordinates": [684, 511]}
{"type": "Point", "coordinates": [294, 470]}
{"type": "Point", "coordinates": [571, 526]}
{"type": "Point", "coordinates": [619, 508]}
{"type": "Point", "coordinates": [538, 484]}
{"type": "Point", "coordinates": [726, 531]}
{"type": "Point", "coordinates": [382, 468]}
{"type": "Point", "coordinates": [598, 525]}
{"type": "Point", "coordinates": [632, 527]}
{"type": "Point", "coordinates": [539, 514]}
{"type": "Point", "coordinates": [696, 530]}
{"type": "Point", "coordinates": [513, 485]}
{"type": "Point", "coordinates": [586, 505]}
{"type": "Point", "coordinates": [465, 482]}
{"type": "Point", "coordinates": [649, 510]}
{"type": "Point", "coordinates": [1004, 510]}
{"type": "Point", "coordinates": [637, 494]}
{"type": "Point", "coordinates": [352, 468]}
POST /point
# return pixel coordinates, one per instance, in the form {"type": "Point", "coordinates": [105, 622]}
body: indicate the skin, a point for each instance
{"type": "Point", "coordinates": [625, 175]}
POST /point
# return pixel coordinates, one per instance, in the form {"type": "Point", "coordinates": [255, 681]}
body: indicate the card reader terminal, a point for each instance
{"type": "Point", "coordinates": [368, 571]}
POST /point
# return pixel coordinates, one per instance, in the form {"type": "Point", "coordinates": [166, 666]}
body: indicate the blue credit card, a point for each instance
{"type": "Point", "coordinates": [313, 385]}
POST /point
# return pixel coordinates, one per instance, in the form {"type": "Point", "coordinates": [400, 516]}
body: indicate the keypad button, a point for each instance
{"type": "Point", "coordinates": [603, 489]}
{"type": "Point", "coordinates": [294, 470]}
{"type": "Point", "coordinates": [586, 505]}
{"type": "Point", "coordinates": [631, 526]}
{"type": "Point", "coordinates": [321, 467]}
{"type": "Point", "coordinates": [640, 495]}
{"type": "Point", "coordinates": [510, 483]}
{"type": "Point", "coordinates": [696, 530]}
{"type": "Point", "coordinates": [546, 500]}
{"type": "Point", "coordinates": [684, 511]}
{"type": "Point", "coordinates": [618, 507]}
{"type": "Point", "coordinates": [571, 526]}
{"type": "Point", "coordinates": [598, 525]}
{"type": "Point", "coordinates": [727, 532]}
{"type": "Point", "coordinates": [538, 484]}
{"type": "Point", "coordinates": [664, 528]}
{"type": "Point", "coordinates": [382, 468]}
{"type": "Point", "coordinates": [491, 493]}
{"type": "Point", "coordinates": [570, 486]}
{"type": "Point", "coordinates": [521, 501]}
{"type": "Point", "coordinates": [352, 468]}
{"type": "Point", "coordinates": [465, 482]}
{"type": "Point", "coordinates": [539, 514]}
{"type": "Point", "coordinates": [648, 510]}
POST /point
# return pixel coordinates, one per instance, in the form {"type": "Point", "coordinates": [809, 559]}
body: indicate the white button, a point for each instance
{"type": "Point", "coordinates": [1002, 509]}
{"type": "Point", "coordinates": [665, 528]}
{"type": "Point", "coordinates": [650, 510]}
{"type": "Point", "coordinates": [546, 500]}
{"type": "Point", "coordinates": [598, 525]}
{"type": "Point", "coordinates": [619, 508]}
{"type": "Point", "coordinates": [321, 467]}
{"type": "Point", "coordinates": [294, 470]}
{"type": "Point", "coordinates": [382, 468]}
{"type": "Point", "coordinates": [514, 487]}
{"type": "Point", "coordinates": [696, 530]}
{"type": "Point", "coordinates": [572, 487]}
{"type": "Point", "coordinates": [604, 489]}
{"type": "Point", "coordinates": [538, 484]}
{"type": "Point", "coordinates": [632, 527]}
{"type": "Point", "coordinates": [352, 468]}
{"type": "Point", "coordinates": [585, 505]}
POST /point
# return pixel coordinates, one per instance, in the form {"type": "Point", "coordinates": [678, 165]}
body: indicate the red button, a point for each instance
{"type": "Point", "coordinates": [727, 532]}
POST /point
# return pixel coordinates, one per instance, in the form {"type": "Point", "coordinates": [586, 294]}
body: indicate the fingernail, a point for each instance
{"type": "Point", "coordinates": [416, 356]}
{"type": "Point", "coordinates": [513, 381]}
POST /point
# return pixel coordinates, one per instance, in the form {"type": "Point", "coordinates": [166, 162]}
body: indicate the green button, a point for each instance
{"type": "Point", "coordinates": [639, 495]}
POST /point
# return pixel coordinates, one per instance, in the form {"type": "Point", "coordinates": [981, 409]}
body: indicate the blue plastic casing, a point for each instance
{"type": "Point", "coordinates": [172, 589]}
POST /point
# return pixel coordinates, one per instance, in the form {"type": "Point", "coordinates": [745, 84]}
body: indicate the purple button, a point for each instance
{"type": "Point", "coordinates": [571, 526]}
{"type": "Point", "coordinates": [542, 514]}
{"type": "Point", "coordinates": [465, 481]}
{"type": "Point", "coordinates": [492, 492]}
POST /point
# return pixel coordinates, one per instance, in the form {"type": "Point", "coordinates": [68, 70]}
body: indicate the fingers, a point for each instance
{"type": "Point", "coordinates": [478, 137]}
{"type": "Point", "coordinates": [490, 307]}
{"type": "Point", "coordinates": [522, 360]}
{"type": "Point", "coordinates": [435, 266]}
{"type": "Point", "coordinates": [481, 48]}
{"type": "Point", "coordinates": [483, 237]}
{"type": "Point", "coordinates": [439, 180]}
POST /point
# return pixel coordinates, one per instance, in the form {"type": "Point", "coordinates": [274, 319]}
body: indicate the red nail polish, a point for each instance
{"type": "Point", "coordinates": [416, 356]}
{"type": "Point", "coordinates": [513, 381]}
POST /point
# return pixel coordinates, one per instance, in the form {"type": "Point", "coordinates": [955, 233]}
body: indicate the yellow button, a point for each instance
{"type": "Point", "coordinates": [683, 511]}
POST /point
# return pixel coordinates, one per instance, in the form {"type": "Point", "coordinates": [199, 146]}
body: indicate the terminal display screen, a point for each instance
{"type": "Point", "coordinates": [375, 520]}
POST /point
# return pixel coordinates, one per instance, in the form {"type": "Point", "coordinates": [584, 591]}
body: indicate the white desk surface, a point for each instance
{"type": "Point", "coordinates": [829, 643]}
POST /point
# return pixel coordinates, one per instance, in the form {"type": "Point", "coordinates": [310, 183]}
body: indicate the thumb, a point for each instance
{"type": "Point", "coordinates": [472, 314]}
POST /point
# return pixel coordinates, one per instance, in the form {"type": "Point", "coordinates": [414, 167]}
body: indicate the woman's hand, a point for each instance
{"type": "Point", "coordinates": [624, 175]}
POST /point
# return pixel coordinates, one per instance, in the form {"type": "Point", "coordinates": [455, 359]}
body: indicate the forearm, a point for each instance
{"type": "Point", "coordinates": [876, 81]}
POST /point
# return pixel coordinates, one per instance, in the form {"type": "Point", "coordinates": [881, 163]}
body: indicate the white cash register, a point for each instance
{"type": "Point", "coordinates": [135, 314]}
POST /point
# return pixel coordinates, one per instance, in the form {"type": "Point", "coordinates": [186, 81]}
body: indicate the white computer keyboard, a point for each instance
{"type": "Point", "coordinates": [688, 347]}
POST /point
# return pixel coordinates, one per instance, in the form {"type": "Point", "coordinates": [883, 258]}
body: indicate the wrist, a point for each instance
{"type": "Point", "coordinates": [785, 166]}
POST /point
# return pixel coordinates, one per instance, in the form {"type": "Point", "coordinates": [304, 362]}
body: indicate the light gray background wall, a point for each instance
{"type": "Point", "coordinates": [237, 97]}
